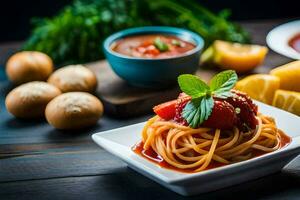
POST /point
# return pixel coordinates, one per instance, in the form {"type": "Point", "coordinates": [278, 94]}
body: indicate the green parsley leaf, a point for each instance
{"type": "Point", "coordinates": [223, 82]}
{"type": "Point", "coordinates": [198, 110]}
{"type": "Point", "coordinates": [160, 45]}
{"type": "Point", "coordinates": [193, 86]}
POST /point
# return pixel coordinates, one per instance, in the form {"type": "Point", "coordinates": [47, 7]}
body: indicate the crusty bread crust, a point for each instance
{"type": "Point", "coordinates": [74, 78]}
{"type": "Point", "coordinates": [29, 66]}
{"type": "Point", "coordinates": [74, 110]}
{"type": "Point", "coordinates": [29, 100]}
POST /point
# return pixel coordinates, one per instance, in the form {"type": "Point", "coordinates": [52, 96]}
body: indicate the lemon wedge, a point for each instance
{"type": "Point", "coordinates": [236, 56]}
{"type": "Point", "coordinates": [289, 75]}
{"type": "Point", "coordinates": [287, 100]}
{"type": "Point", "coordinates": [259, 86]}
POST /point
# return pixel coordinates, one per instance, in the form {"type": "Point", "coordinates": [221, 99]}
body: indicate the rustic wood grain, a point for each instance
{"type": "Point", "coordinates": [17, 131]}
{"type": "Point", "coordinates": [122, 100]}
{"type": "Point", "coordinates": [127, 184]}
{"type": "Point", "coordinates": [57, 161]}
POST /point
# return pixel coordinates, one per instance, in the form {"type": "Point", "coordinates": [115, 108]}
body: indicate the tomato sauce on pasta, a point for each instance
{"type": "Point", "coordinates": [267, 138]}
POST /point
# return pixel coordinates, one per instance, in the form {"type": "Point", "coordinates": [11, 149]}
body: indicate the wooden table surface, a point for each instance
{"type": "Point", "coordinates": [39, 162]}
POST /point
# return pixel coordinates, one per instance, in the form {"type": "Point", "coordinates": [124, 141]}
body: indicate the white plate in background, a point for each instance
{"type": "Point", "coordinates": [120, 141]}
{"type": "Point", "coordinates": [277, 39]}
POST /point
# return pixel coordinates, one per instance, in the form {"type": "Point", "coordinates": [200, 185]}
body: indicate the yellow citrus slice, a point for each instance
{"type": "Point", "coordinates": [239, 57]}
{"type": "Point", "coordinates": [289, 75]}
{"type": "Point", "coordinates": [259, 86]}
{"type": "Point", "coordinates": [287, 100]}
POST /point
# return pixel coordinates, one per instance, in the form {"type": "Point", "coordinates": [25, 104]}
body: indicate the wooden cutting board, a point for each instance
{"type": "Point", "coordinates": [122, 100]}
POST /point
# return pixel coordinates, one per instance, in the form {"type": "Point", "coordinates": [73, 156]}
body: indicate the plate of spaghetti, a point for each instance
{"type": "Point", "coordinates": [210, 137]}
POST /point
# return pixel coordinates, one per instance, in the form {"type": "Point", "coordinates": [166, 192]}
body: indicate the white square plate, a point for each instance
{"type": "Point", "coordinates": [120, 142]}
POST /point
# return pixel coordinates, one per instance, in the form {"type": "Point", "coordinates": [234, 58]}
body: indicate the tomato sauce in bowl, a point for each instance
{"type": "Point", "coordinates": [152, 46]}
{"type": "Point", "coordinates": [294, 42]}
{"type": "Point", "coordinates": [153, 56]}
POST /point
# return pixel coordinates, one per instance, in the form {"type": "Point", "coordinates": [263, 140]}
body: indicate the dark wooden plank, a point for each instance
{"type": "Point", "coordinates": [54, 161]}
{"type": "Point", "coordinates": [127, 184]}
{"type": "Point", "coordinates": [15, 131]}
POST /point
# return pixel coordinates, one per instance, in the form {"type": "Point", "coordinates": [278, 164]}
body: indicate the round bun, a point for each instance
{"type": "Point", "coordinates": [74, 110]}
{"type": "Point", "coordinates": [29, 66]}
{"type": "Point", "coordinates": [74, 78]}
{"type": "Point", "coordinates": [30, 99]}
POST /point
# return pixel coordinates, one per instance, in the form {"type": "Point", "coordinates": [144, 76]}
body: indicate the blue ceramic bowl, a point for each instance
{"type": "Point", "coordinates": [149, 72]}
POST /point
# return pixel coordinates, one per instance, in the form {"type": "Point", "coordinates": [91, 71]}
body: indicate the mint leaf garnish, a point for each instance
{"type": "Point", "coordinates": [223, 82]}
{"type": "Point", "coordinates": [198, 110]}
{"type": "Point", "coordinates": [200, 107]}
{"type": "Point", "coordinates": [223, 95]}
{"type": "Point", "coordinates": [193, 86]}
{"type": "Point", "coordinates": [160, 45]}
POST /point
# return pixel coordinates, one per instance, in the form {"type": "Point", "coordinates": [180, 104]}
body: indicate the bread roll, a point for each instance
{"type": "Point", "coordinates": [30, 99]}
{"type": "Point", "coordinates": [74, 110]}
{"type": "Point", "coordinates": [29, 66]}
{"type": "Point", "coordinates": [74, 78]}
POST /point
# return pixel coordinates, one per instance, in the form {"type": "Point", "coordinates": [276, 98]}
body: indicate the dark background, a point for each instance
{"type": "Point", "coordinates": [15, 15]}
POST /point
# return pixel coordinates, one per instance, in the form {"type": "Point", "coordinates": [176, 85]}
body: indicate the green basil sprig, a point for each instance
{"type": "Point", "coordinates": [200, 107]}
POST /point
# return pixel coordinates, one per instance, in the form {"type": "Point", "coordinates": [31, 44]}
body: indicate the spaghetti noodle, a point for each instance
{"type": "Point", "coordinates": [194, 150]}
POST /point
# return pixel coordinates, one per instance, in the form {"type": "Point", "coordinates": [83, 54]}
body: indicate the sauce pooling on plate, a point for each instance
{"type": "Point", "coordinates": [294, 42]}
{"type": "Point", "coordinates": [152, 46]}
{"type": "Point", "coordinates": [151, 155]}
